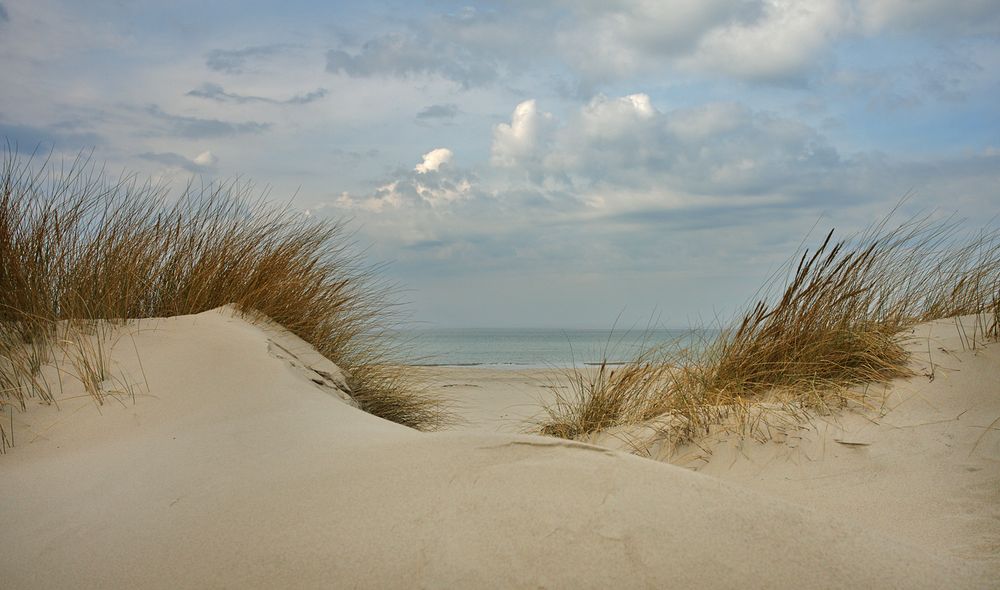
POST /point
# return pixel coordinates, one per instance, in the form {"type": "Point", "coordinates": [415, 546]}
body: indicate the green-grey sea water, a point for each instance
{"type": "Point", "coordinates": [535, 347]}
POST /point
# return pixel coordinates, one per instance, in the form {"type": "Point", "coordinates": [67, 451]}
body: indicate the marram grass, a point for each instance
{"type": "Point", "coordinates": [77, 244]}
{"type": "Point", "coordinates": [805, 344]}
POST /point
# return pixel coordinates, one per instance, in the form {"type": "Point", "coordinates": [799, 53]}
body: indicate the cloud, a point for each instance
{"type": "Point", "coordinates": [202, 163]}
{"type": "Point", "coordinates": [236, 61]}
{"type": "Point", "coordinates": [762, 41]}
{"type": "Point", "coordinates": [198, 128]}
{"type": "Point", "coordinates": [353, 155]}
{"type": "Point", "coordinates": [205, 158]}
{"type": "Point", "coordinates": [307, 97]}
{"type": "Point", "coordinates": [756, 40]}
{"type": "Point", "coordinates": [439, 111]}
{"type": "Point", "coordinates": [610, 116]}
{"type": "Point", "coordinates": [606, 40]}
{"type": "Point", "coordinates": [783, 43]}
{"type": "Point", "coordinates": [433, 160]}
{"type": "Point", "coordinates": [218, 93]}
{"type": "Point", "coordinates": [432, 184]}
{"type": "Point", "coordinates": [493, 223]}
{"type": "Point", "coordinates": [59, 137]}
{"type": "Point", "coordinates": [407, 54]}
{"type": "Point", "coordinates": [623, 160]}
{"type": "Point", "coordinates": [4, 17]}
{"type": "Point", "coordinates": [894, 88]}
{"type": "Point", "coordinates": [937, 17]}
{"type": "Point", "coordinates": [620, 153]}
{"type": "Point", "coordinates": [594, 44]}
{"type": "Point", "coordinates": [515, 143]}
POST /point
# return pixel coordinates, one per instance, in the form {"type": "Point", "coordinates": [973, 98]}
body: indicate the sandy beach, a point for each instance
{"type": "Point", "coordinates": [238, 467]}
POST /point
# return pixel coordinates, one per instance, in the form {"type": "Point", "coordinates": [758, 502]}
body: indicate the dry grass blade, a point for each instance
{"type": "Point", "coordinates": [89, 356]}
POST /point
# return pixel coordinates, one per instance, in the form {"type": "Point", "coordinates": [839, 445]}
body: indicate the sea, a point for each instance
{"type": "Point", "coordinates": [537, 347]}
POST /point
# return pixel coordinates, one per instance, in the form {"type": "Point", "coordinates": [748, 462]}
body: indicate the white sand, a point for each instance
{"type": "Point", "coordinates": [237, 470]}
{"type": "Point", "coordinates": [496, 399]}
{"type": "Point", "coordinates": [925, 469]}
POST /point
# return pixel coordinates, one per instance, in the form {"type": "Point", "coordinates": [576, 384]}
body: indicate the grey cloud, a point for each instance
{"type": "Point", "coordinates": [353, 155]}
{"type": "Point", "coordinates": [618, 155]}
{"type": "Point", "coordinates": [899, 88]}
{"type": "Point", "coordinates": [235, 61]}
{"type": "Point", "coordinates": [175, 160]}
{"type": "Point", "coordinates": [701, 218]}
{"type": "Point", "coordinates": [306, 97]}
{"type": "Point", "coordinates": [439, 111]}
{"type": "Point", "coordinates": [600, 42]}
{"type": "Point", "coordinates": [405, 55]}
{"type": "Point", "coordinates": [432, 187]}
{"type": "Point", "coordinates": [198, 128]}
{"type": "Point", "coordinates": [945, 80]}
{"type": "Point", "coordinates": [4, 17]}
{"type": "Point", "coordinates": [218, 93]}
{"type": "Point", "coordinates": [411, 190]}
{"type": "Point", "coordinates": [593, 44]}
{"type": "Point", "coordinates": [752, 40]}
{"type": "Point", "coordinates": [721, 149]}
{"type": "Point", "coordinates": [56, 137]}
{"type": "Point", "coordinates": [725, 157]}
{"type": "Point", "coordinates": [935, 17]}
{"type": "Point", "coordinates": [966, 182]}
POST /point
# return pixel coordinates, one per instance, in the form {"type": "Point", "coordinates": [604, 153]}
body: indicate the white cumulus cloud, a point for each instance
{"type": "Point", "coordinates": [430, 185]}
{"type": "Point", "coordinates": [612, 116]}
{"type": "Point", "coordinates": [784, 42]}
{"type": "Point", "coordinates": [206, 159]}
{"type": "Point", "coordinates": [433, 160]}
{"type": "Point", "coordinates": [514, 142]}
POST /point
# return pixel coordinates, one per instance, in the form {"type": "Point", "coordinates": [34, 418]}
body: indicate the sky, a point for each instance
{"type": "Point", "coordinates": [550, 163]}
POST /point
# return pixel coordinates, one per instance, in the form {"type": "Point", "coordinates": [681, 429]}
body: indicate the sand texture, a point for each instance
{"type": "Point", "coordinates": [244, 465]}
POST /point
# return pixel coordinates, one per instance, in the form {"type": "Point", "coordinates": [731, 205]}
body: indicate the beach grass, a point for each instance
{"type": "Point", "coordinates": [77, 245]}
{"type": "Point", "coordinates": [831, 321]}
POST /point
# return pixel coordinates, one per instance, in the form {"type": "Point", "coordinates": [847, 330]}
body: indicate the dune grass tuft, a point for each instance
{"type": "Point", "coordinates": [77, 245]}
{"type": "Point", "coordinates": [835, 323]}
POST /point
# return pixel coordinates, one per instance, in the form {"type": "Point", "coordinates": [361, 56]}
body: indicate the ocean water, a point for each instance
{"type": "Point", "coordinates": [535, 347]}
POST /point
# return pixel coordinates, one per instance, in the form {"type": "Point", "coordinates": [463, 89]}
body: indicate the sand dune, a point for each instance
{"type": "Point", "coordinates": [924, 468]}
{"type": "Point", "coordinates": [244, 466]}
